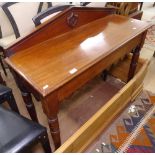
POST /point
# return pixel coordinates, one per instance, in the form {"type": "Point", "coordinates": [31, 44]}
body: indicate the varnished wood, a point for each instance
{"type": "Point", "coordinates": [26, 95]}
{"type": "Point", "coordinates": [51, 28]}
{"type": "Point", "coordinates": [80, 49]}
{"type": "Point", "coordinates": [57, 66]}
{"type": "Point", "coordinates": [134, 62]}
{"type": "Point", "coordinates": [97, 68]}
{"type": "Point", "coordinates": [51, 111]}
{"type": "Point", "coordinates": [29, 104]}
{"type": "Point", "coordinates": [135, 57]}
{"type": "Point", "coordinates": [79, 141]}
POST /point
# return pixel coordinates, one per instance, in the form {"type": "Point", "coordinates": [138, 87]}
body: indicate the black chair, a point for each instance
{"type": "Point", "coordinates": [7, 96]}
{"type": "Point", "coordinates": [50, 11]}
{"type": "Point", "coordinates": [18, 134]}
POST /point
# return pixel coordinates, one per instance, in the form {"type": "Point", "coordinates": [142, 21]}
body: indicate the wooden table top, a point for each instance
{"type": "Point", "coordinates": [50, 64]}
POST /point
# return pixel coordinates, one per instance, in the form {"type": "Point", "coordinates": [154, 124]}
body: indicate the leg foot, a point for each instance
{"type": "Point", "coordinates": [55, 132]}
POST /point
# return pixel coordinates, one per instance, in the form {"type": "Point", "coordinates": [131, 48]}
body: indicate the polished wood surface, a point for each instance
{"type": "Point", "coordinates": [58, 25]}
{"type": "Point", "coordinates": [49, 65]}
{"type": "Point", "coordinates": [53, 66]}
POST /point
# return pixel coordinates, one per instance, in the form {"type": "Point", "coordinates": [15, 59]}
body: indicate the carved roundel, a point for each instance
{"type": "Point", "coordinates": [72, 20]}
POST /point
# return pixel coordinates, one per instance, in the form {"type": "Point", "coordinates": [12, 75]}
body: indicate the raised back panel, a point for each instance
{"type": "Point", "coordinates": [67, 20]}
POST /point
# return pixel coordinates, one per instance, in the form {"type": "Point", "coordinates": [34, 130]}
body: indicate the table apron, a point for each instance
{"type": "Point", "coordinates": [67, 89]}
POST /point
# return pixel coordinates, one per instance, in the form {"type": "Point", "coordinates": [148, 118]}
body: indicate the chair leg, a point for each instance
{"type": "Point", "coordinates": [45, 143]}
{"type": "Point", "coordinates": [154, 54]}
{"type": "Point", "coordinates": [12, 103]}
{"type": "Point", "coordinates": [1, 62]}
{"type": "Point", "coordinates": [1, 80]}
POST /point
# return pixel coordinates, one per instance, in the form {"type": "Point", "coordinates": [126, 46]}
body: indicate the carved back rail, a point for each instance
{"type": "Point", "coordinates": [65, 21]}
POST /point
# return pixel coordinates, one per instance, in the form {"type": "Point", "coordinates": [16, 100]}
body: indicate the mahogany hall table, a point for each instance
{"type": "Point", "coordinates": [54, 67]}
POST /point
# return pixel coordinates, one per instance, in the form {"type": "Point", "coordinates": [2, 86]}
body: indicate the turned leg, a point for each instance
{"type": "Point", "coordinates": [51, 108]}
{"type": "Point", "coordinates": [55, 131]}
{"type": "Point", "coordinates": [26, 95]}
{"type": "Point", "coordinates": [29, 105]}
{"type": "Point", "coordinates": [45, 143]}
{"type": "Point", "coordinates": [133, 63]}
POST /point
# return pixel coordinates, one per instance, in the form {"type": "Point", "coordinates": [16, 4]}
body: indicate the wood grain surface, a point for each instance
{"type": "Point", "coordinates": [50, 64]}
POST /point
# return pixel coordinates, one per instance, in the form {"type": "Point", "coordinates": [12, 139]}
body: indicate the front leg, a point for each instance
{"type": "Point", "coordinates": [26, 95]}
{"type": "Point", "coordinates": [51, 107]}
